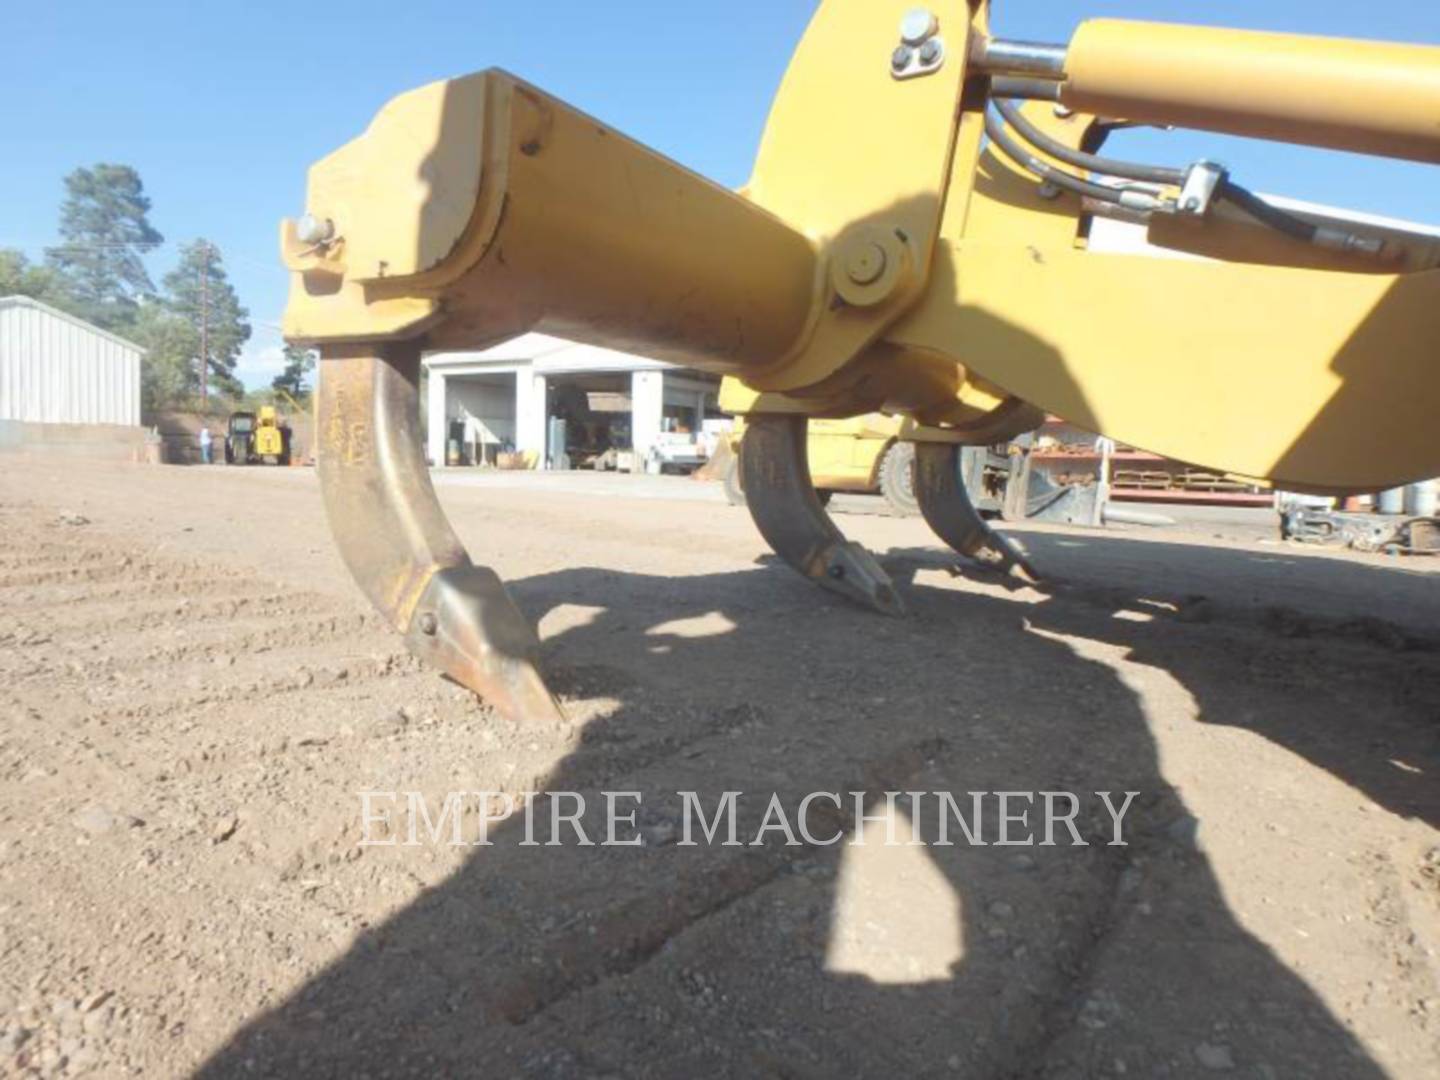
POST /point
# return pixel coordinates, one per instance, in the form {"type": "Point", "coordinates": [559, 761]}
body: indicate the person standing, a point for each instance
{"type": "Point", "coordinates": [205, 440]}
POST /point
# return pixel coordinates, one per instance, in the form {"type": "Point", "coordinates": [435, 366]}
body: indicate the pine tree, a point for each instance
{"type": "Point", "coordinates": [20, 277]}
{"type": "Point", "coordinates": [196, 296]}
{"type": "Point", "coordinates": [106, 230]}
{"type": "Point", "coordinates": [170, 372]}
{"type": "Point", "coordinates": [199, 293]}
{"type": "Point", "coordinates": [299, 362]}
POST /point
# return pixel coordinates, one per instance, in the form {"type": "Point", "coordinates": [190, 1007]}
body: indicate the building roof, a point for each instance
{"type": "Point", "coordinates": [31, 302]}
{"type": "Point", "coordinates": [547, 354]}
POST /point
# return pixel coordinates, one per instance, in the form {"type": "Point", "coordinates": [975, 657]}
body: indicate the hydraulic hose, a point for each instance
{"type": "Point", "coordinates": [1155, 174]}
{"type": "Point", "coordinates": [1043, 169]}
{"type": "Point", "coordinates": [1267, 213]}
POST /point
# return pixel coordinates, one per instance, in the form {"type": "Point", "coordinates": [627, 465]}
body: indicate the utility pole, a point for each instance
{"type": "Point", "coordinates": [204, 326]}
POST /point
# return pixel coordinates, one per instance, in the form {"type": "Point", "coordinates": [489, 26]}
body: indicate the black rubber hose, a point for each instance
{"type": "Point", "coordinates": [1155, 174]}
{"type": "Point", "coordinates": [1262, 211]}
{"type": "Point", "coordinates": [1043, 169]}
{"type": "Point", "coordinates": [1267, 213]}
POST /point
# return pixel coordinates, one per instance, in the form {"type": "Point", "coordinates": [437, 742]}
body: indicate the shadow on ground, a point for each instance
{"type": "Point", "coordinates": [774, 960]}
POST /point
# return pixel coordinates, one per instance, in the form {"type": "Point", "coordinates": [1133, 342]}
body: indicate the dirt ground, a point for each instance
{"type": "Point", "coordinates": [193, 697]}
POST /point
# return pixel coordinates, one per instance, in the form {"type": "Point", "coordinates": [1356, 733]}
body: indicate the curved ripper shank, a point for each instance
{"type": "Point", "coordinates": [775, 473]}
{"type": "Point", "coordinates": [397, 542]}
{"type": "Point", "coordinates": [947, 509]}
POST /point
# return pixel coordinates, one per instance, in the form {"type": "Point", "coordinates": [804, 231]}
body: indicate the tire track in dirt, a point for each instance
{"type": "Point", "coordinates": [142, 713]}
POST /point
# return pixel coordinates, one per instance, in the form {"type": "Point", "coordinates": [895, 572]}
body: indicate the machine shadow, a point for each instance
{"type": "Point", "coordinates": [1382, 668]}
{"type": "Point", "coordinates": [812, 960]}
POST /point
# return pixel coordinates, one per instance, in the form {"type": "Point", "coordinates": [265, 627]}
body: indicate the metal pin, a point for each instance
{"type": "Point", "coordinates": [310, 229]}
{"type": "Point", "coordinates": [918, 25]}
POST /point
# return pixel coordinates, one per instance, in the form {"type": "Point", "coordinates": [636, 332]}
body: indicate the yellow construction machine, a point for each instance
{"type": "Point", "coordinates": [913, 240]}
{"type": "Point", "coordinates": [272, 439]}
{"type": "Point", "coordinates": [251, 438]}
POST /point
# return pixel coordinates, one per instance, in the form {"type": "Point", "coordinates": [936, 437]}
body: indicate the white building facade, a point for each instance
{"type": "Point", "coordinates": [508, 397]}
{"type": "Point", "coordinates": [58, 369]}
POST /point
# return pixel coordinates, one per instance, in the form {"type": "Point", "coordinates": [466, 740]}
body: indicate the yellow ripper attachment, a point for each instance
{"type": "Point", "coordinates": [884, 256]}
{"type": "Point", "coordinates": [397, 543]}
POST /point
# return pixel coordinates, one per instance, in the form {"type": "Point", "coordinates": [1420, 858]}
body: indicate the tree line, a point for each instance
{"type": "Point", "coordinates": [192, 327]}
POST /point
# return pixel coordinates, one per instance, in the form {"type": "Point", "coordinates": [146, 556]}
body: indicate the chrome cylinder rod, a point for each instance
{"type": "Point", "coordinates": [997, 56]}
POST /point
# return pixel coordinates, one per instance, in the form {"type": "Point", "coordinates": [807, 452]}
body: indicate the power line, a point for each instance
{"type": "Point", "coordinates": [141, 247]}
{"type": "Point", "coordinates": [127, 245]}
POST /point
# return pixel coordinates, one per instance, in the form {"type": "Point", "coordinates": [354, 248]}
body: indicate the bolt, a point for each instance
{"type": "Point", "coordinates": [931, 52]}
{"type": "Point", "coordinates": [428, 623]}
{"type": "Point", "coordinates": [917, 25]}
{"type": "Point", "coordinates": [314, 230]}
{"type": "Point", "coordinates": [865, 264]}
{"type": "Point", "coordinates": [900, 58]}
{"type": "Point", "coordinates": [1047, 190]}
{"type": "Point", "coordinates": [1064, 112]}
{"type": "Point", "coordinates": [1192, 204]}
{"type": "Point", "coordinates": [837, 571]}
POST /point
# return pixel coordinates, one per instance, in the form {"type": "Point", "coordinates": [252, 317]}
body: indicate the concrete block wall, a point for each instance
{"type": "Point", "coordinates": [95, 442]}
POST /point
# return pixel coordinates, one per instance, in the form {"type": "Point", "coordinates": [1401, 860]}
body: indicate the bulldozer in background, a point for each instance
{"type": "Point", "coordinates": [913, 240]}
{"type": "Point", "coordinates": [252, 438]}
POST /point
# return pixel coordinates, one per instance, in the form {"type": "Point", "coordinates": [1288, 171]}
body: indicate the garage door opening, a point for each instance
{"type": "Point", "coordinates": [480, 412]}
{"type": "Point", "coordinates": [591, 421]}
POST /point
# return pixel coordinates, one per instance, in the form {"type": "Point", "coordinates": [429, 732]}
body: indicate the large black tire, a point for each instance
{"type": "Point", "coordinates": [897, 479]}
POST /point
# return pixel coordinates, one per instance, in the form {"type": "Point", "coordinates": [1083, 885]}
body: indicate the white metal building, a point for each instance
{"type": "Point", "coordinates": [57, 369]}
{"type": "Point", "coordinates": [507, 396]}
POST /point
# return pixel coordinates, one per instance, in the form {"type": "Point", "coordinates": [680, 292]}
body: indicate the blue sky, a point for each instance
{"type": "Point", "coordinates": [223, 106]}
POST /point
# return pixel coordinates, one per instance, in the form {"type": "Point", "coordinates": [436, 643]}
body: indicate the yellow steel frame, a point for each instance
{"type": "Point", "coordinates": [882, 257]}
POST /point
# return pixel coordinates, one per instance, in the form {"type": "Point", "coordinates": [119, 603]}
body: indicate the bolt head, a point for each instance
{"type": "Point", "coordinates": [865, 264]}
{"type": "Point", "coordinates": [428, 623]}
{"type": "Point", "coordinates": [918, 25]}
{"type": "Point", "coordinates": [931, 52]}
{"type": "Point", "coordinates": [901, 57]}
{"type": "Point", "coordinates": [310, 229]}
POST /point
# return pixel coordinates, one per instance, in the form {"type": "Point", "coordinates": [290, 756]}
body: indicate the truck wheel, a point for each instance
{"type": "Point", "coordinates": [734, 493]}
{"type": "Point", "coordinates": [897, 479]}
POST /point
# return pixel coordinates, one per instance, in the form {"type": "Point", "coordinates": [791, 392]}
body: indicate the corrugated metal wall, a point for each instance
{"type": "Point", "coordinates": [55, 369]}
